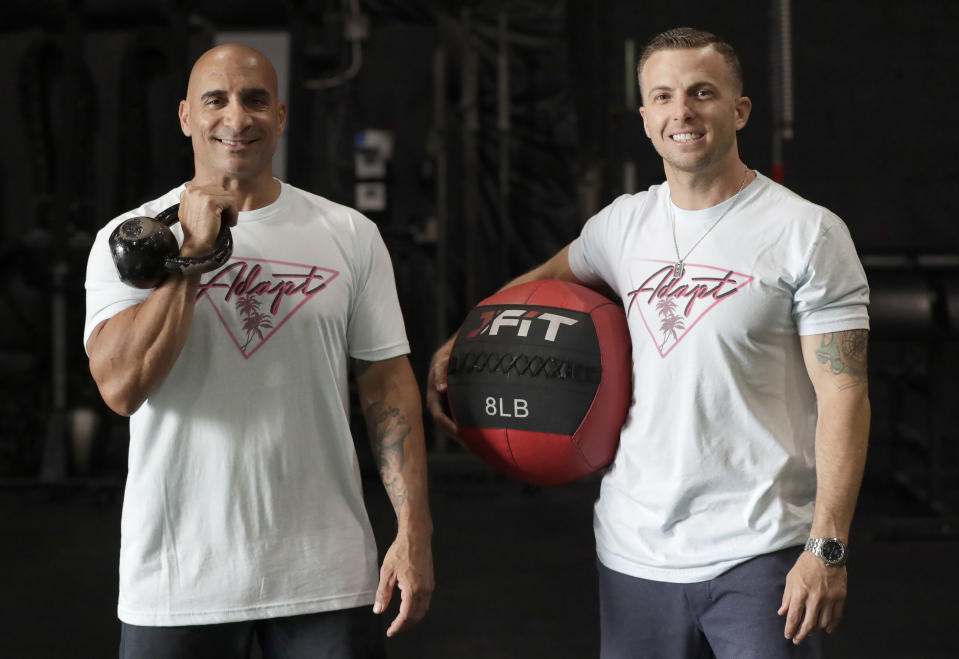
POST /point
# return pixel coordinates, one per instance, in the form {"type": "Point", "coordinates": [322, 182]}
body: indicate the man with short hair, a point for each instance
{"type": "Point", "coordinates": [243, 513]}
{"type": "Point", "coordinates": [732, 493]}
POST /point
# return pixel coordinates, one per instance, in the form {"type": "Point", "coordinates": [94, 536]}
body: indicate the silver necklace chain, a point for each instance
{"type": "Point", "coordinates": [680, 266]}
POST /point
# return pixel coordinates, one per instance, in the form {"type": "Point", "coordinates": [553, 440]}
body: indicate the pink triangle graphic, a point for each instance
{"type": "Point", "coordinates": [239, 291]}
{"type": "Point", "coordinates": [671, 308]}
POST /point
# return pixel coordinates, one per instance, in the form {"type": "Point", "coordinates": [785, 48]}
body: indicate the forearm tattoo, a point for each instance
{"type": "Point", "coordinates": [844, 354]}
{"type": "Point", "coordinates": [388, 430]}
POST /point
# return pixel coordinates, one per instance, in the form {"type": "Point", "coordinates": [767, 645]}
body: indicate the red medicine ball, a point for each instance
{"type": "Point", "coordinates": [539, 381]}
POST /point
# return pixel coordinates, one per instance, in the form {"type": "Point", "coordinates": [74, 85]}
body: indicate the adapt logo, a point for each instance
{"type": "Point", "coordinates": [671, 307]}
{"type": "Point", "coordinates": [491, 322]}
{"type": "Point", "coordinates": [254, 298]}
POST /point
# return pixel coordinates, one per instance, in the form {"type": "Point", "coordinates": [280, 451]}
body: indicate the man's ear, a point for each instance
{"type": "Point", "coordinates": [642, 113]}
{"type": "Point", "coordinates": [743, 107]}
{"type": "Point", "coordinates": [184, 112]}
{"type": "Point", "coordinates": [281, 111]}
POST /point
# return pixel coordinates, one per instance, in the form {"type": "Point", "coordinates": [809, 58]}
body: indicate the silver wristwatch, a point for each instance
{"type": "Point", "coordinates": [831, 551]}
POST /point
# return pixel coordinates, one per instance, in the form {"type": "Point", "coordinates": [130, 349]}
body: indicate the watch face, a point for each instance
{"type": "Point", "coordinates": [832, 550]}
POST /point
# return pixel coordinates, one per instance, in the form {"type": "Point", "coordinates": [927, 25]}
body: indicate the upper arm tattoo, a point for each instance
{"type": "Point", "coordinates": [844, 355]}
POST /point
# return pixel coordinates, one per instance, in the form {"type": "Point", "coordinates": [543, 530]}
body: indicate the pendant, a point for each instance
{"type": "Point", "coordinates": [678, 270]}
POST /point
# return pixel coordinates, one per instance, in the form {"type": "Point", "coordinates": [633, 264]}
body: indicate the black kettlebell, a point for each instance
{"type": "Point", "coordinates": [145, 251]}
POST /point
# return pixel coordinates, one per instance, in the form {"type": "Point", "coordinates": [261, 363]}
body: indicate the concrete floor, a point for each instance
{"type": "Point", "coordinates": [515, 573]}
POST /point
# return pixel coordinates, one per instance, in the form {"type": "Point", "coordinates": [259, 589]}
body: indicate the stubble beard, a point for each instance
{"type": "Point", "coordinates": [697, 163]}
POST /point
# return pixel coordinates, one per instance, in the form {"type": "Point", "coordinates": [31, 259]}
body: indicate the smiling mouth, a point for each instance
{"type": "Point", "coordinates": [685, 138]}
{"type": "Point", "coordinates": [233, 143]}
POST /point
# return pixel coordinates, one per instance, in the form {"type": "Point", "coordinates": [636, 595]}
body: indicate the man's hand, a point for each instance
{"type": "Point", "coordinates": [202, 209]}
{"type": "Point", "coordinates": [814, 597]}
{"type": "Point", "coordinates": [436, 387]}
{"type": "Point", "coordinates": [408, 564]}
{"type": "Point", "coordinates": [391, 403]}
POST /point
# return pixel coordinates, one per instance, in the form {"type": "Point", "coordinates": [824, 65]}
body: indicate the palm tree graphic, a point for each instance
{"type": "Point", "coordinates": [671, 322]}
{"type": "Point", "coordinates": [254, 321]}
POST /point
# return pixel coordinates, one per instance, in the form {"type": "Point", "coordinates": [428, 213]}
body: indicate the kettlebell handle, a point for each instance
{"type": "Point", "coordinates": [145, 251]}
{"type": "Point", "coordinates": [189, 265]}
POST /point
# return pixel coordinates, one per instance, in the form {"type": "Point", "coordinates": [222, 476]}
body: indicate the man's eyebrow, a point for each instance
{"type": "Point", "coordinates": [251, 91]}
{"type": "Point", "coordinates": [693, 85]}
{"type": "Point", "coordinates": [256, 91]}
{"type": "Point", "coordinates": [658, 88]}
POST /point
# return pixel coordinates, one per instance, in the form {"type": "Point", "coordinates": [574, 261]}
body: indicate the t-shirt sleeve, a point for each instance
{"type": "Point", "coordinates": [589, 256]}
{"type": "Point", "coordinates": [376, 330]}
{"type": "Point", "coordinates": [833, 295]}
{"type": "Point", "coordinates": [106, 295]}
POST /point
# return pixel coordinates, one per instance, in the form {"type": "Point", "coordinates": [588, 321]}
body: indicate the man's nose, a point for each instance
{"type": "Point", "coordinates": [236, 116]}
{"type": "Point", "coordinates": [682, 107]}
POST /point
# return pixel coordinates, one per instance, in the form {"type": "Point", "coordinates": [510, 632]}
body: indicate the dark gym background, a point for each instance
{"type": "Point", "coordinates": [511, 122]}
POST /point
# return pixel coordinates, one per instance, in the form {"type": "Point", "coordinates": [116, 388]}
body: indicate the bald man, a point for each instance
{"type": "Point", "coordinates": [243, 518]}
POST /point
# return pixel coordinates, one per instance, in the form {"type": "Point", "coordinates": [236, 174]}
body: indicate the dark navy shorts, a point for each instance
{"type": "Point", "coordinates": [347, 634]}
{"type": "Point", "coordinates": [730, 617]}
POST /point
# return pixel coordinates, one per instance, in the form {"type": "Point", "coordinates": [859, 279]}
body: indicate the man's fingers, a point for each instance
{"type": "Point", "coordinates": [791, 606]}
{"type": "Point", "coordinates": [438, 374]}
{"type": "Point", "coordinates": [229, 215]}
{"type": "Point", "coordinates": [806, 628]}
{"type": "Point", "coordinates": [203, 208]}
{"type": "Point", "coordinates": [413, 607]}
{"type": "Point", "coordinates": [436, 401]}
{"type": "Point", "coordinates": [825, 618]}
{"type": "Point", "coordinates": [829, 612]}
{"type": "Point", "coordinates": [438, 411]}
{"type": "Point", "coordinates": [384, 592]}
{"type": "Point", "coordinates": [436, 398]}
{"type": "Point", "coordinates": [810, 618]}
{"type": "Point", "coordinates": [834, 617]}
{"type": "Point", "coordinates": [784, 607]}
{"type": "Point", "coordinates": [794, 617]}
{"type": "Point", "coordinates": [399, 622]}
{"type": "Point", "coordinates": [446, 425]}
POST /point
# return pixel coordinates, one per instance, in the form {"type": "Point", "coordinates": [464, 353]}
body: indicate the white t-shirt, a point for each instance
{"type": "Point", "coordinates": [243, 497]}
{"type": "Point", "coordinates": [716, 461]}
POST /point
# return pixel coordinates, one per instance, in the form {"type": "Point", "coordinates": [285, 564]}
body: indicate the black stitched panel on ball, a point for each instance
{"type": "Point", "coordinates": [524, 367]}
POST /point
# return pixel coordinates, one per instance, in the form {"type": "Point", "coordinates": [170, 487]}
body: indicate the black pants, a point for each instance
{"type": "Point", "coordinates": [347, 634]}
{"type": "Point", "coordinates": [730, 617]}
